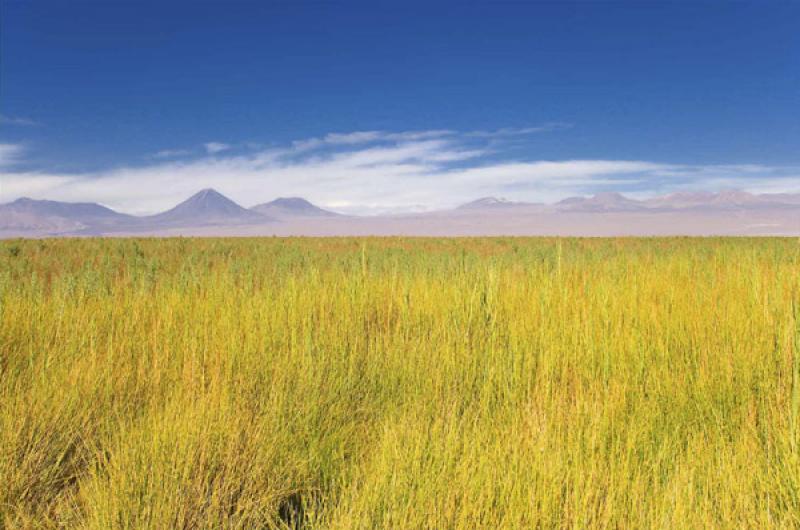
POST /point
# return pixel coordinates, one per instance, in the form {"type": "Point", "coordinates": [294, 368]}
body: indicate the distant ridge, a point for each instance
{"type": "Point", "coordinates": [490, 202]}
{"type": "Point", "coordinates": [206, 207]}
{"type": "Point", "coordinates": [53, 217]}
{"type": "Point", "coordinates": [724, 200]}
{"type": "Point", "coordinates": [67, 210]}
{"type": "Point", "coordinates": [292, 207]}
{"type": "Point", "coordinates": [617, 202]}
{"type": "Point", "coordinates": [681, 199]}
{"type": "Point", "coordinates": [601, 202]}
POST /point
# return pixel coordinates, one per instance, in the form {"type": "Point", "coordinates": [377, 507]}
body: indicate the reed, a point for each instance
{"type": "Point", "coordinates": [400, 383]}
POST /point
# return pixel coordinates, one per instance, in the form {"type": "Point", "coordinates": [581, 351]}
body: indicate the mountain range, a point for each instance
{"type": "Point", "coordinates": [208, 212]}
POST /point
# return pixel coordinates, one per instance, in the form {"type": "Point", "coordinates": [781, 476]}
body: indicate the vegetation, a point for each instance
{"type": "Point", "coordinates": [400, 383]}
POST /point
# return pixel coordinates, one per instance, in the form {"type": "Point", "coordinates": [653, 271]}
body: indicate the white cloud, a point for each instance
{"type": "Point", "coordinates": [373, 171]}
{"type": "Point", "coordinates": [420, 135]}
{"type": "Point", "coordinates": [555, 170]}
{"type": "Point", "coordinates": [512, 131]}
{"type": "Point", "coordinates": [16, 120]}
{"type": "Point", "coordinates": [363, 137]}
{"type": "Point", "coordinates": [171, 153]}
{"type": "Point", "coordinates": [213, 148]}
{"type": "Point", "coordinates": [10, 154]}
{"type": "Point", "coordinates": [16, 185]}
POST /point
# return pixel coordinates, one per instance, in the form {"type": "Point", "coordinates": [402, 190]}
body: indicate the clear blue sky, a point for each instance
{"type": "Point", "coordinates": [94, 87]}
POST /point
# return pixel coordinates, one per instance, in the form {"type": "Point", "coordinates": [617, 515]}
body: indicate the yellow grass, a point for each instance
{"type": "Point", "coordinates": [400, 383]}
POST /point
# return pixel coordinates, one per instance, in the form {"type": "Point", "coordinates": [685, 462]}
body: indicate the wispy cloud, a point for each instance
{"type": "Point", "coordinates": [10, 154]}
{"type": "Point", "coordinates": [213, 148]}
{"type": "Point", "coordinates": [16, 120]}
{"type": "Point", "coordinates": [520, 131]}
{"type": "Point", "coordinates": [364, 137]}
{"type": "Point", "coordinates": [39, 186]}
{"type": "Point", "coordinates": [377, 171]}
{"type": "Point", "coordinates": [171, 153]}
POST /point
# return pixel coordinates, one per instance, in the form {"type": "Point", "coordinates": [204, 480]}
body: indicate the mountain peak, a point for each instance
{"type": "Point", "coordinates": [488, 202]}
{"type": "Point", "coordinates": [210, 198]}
{"type": "Point", "coordinates": [205, 207]}
{"type": "Point", "coordinates": [603, 201]}
{"type": "Point", "coordinates": [610, 196]}
{"type": "Point", "coordinates": [292, 206]}
{"type": "Point", "coordinates": [291, 202]}
{"type": "Point", "coordinates": [208, 194]}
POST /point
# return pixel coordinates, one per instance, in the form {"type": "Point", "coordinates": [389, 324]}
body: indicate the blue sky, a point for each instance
{"type": "Point", "coordinates": [382, 106]}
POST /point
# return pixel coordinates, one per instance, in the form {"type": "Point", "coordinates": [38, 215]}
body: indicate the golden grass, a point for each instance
{"type": "Point", "coordinates": [400, 383]}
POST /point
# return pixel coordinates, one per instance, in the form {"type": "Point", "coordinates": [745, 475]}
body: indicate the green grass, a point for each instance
{"type": "Point", "coordinates": [400, 383]}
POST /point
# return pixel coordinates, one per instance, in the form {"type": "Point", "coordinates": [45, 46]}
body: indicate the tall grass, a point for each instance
{"type": "Point", "coordinates": [400, 383]}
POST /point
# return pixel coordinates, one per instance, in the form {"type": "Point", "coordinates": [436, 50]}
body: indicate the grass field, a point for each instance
{"type": "Point", "coordinates": [400, 383]}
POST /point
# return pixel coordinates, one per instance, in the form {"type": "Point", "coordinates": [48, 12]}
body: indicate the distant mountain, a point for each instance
{"type": "Point", "coordinates": [206, 207]}
{"type": "Point", "coordinates": [724, 200]}
{"type": "Point", "coordinates": [737, 198]}
{"type": "Point", "coordinates": [292, 207]}
{"type": "Point", "coordinates": [698, 200]}
{"type": "Point", "coordinates": [66, 210]}
{"type": "Point", "coordinates": [490, 202]}
{"type": "Point", "coordinates": [681, 199]}
{"type": "Point", "coordinates": [783, 198]}
{"type": "Point", "coordinates": [601, 202]}
{"type": "Point", "coordinates": [53, 217]}
{"type": "Point", "coordinates": [210, 213]}
{"type": "Point", "coordinates": [702, 199]}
